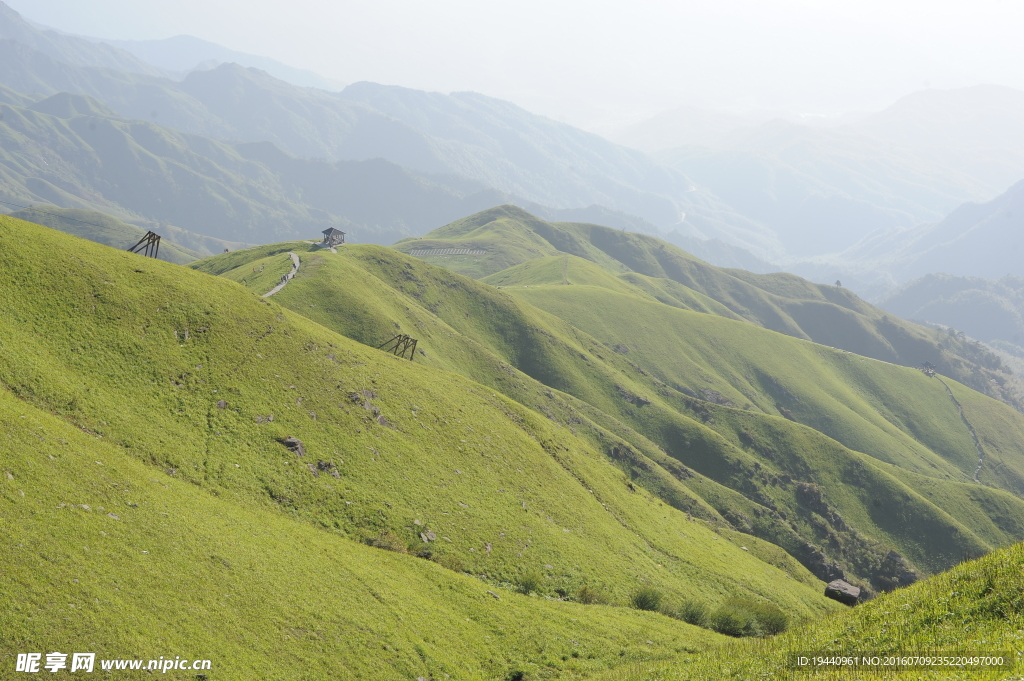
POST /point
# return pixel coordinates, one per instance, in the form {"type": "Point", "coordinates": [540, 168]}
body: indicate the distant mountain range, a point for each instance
{"type": "Point", "coordinates": [170, 57]}
{"type": "Point", "coordinates": [68, 49]}
{"type": "Point", "coordinates": [976, 240]}
{"type": "Point", "coordinates": [822, 190]}
{"type": "Point", "coordinates": [489, 142]}
{"type": "Point", "coordinates": [863, 202]}
{"type": "Point", "coordinates": [984, 309]}
{"type": "Point", "coordinates": [183, 53]}
{"type": "Point", "coordinates": [72, 151]}
{"type": "Point", "coordinates": [694, 126]}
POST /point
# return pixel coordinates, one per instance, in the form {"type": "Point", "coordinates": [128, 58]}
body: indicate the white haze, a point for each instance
{"type": "Point", "coordinates": [600, 64]}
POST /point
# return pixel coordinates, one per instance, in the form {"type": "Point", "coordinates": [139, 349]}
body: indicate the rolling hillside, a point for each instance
{"type": "Point", "coordinates": [103, 229]}
{"type": "Point", "coordinates": [716, 416]}
{"type": "Point", "coordinates": [974, 609]}
{"type": "Point", "coordinates": [146, 411]}
{"type": "Point", "coordinates": [985, 309]}
{"type": "Point", "coordinates": [521, 447]}
{"type": "Point", "coordinates": [781, 302]}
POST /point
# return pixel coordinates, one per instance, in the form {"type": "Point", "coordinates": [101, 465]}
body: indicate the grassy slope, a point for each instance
{"type": "Point", "coordinates": [975, 608]}
{"type": "Point", "coordinates": [746, 462]}
{"type": "Point", "coordinates": [509, 235]}
{"type": "Point", "coordinates": [262, 595]}
{"type": "Point", "coordinates": [782, 302]}
{"type": "Point", "coordinates": [95, 226]}
{"type": "Point", "coordinates": [139, 353]}
{"type": "Point", "coordinates": [894, 415]}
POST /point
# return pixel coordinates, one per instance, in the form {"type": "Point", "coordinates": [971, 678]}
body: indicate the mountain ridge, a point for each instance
{"type": "Point", "coordinates": [183, 53]}
{"type": "Point", "coordinates": [781, 302]}
{"type": "Point", "coordinates": [69, 49]}
{"type": "Point", "coordinates": [678, 430]}
{"type": "Point", "coordinates": [487, 141]}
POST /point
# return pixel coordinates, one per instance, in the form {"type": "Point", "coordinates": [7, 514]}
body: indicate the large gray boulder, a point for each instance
{"type": "Point", "coordinates": [842, 591]}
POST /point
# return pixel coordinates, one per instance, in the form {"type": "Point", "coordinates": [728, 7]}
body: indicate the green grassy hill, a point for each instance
{"type": "Point", "coordinates": [109, 554]}
{"type": "Point", "coordinates": [103, 229]}
{"type": "Point", "coordinates": [975, 608]}
{"type": "Point", "coordinates": [144, 411]}
{"type": "Point", "coordinates": [852, 465]}
{"type": "Point", "coordinates": [781, 302]}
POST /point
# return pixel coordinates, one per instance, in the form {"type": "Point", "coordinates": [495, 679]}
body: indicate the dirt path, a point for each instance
{"type": "Point", "coordinates": [970, 429]}
{"type": "Point", "coordinates": [286, 278]}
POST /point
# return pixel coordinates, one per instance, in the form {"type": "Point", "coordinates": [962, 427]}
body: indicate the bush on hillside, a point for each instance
{"type": "Point", "coordinates": [589, 596]}
{"type": "Point", "coordinates": [731, 621]}
{"type": "Point", "coordinates": [389, 541]}
{"type": "Point", "coordinates": [689, 611]}
{"type": "Point", "coordinates": [692, 612]}
{"type": "Point", "coordinates": [530, 582]}
{"type": "Point", "coordinates": [747, 617]}
{"type": "Point", "coordinates": [453, 563]}
{"type": "Point", "coordinates": [646, 598]}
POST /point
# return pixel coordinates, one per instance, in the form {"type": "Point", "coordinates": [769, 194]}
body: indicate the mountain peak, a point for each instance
{"type": "Point", "coordinates": [67, 105]}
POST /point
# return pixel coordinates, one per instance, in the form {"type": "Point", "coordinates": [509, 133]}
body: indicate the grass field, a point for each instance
{"type": "Point", "coordinates": [839, 459]}
{"type": "Point", "coordinates": [975, 609]}
{"type": "Point", "coordinates": [449, 517]}
{"type": "Point", "coordinates": [829, 315]}
{"type": "Point", "coordinates": [182, 385]}
{"type": "Point", "coordinates": [103, 229]}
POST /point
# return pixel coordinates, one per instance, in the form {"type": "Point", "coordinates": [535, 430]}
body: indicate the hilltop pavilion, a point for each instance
{"type": "Point", "coordinates": [333, 237]}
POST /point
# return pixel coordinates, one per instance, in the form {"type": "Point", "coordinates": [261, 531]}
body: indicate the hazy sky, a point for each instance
{"type": "Point", "coordinates": [599, 63]}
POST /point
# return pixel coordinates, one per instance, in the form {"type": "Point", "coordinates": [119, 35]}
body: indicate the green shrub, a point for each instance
{"type": "Point", "coordinates": [732, 621]}
{"type": "Point", "coordinates": [747, 617]}
{"type": "Point", "coordinates": [530, 582]}
{"type": "Point", "coordinates": [646, 598]}
{"type": "Point", "coordinates": [588, 596]}
{"type": "Point", "coordinates": [770, 618]}
{"type": "Point", "coordinates": [421, 549]}
{"type": "Point", "coordinates": [453, 563]}
{"type": "Point", "coordinates": [693, 612]}
{"type": "Point", "coordinates": [389, 541]}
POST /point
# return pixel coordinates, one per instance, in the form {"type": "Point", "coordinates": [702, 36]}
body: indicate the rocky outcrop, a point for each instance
{"type": "Point", "coordinates": [842, 591]}
{"type": "Point", "coordinates": [294, 446]}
